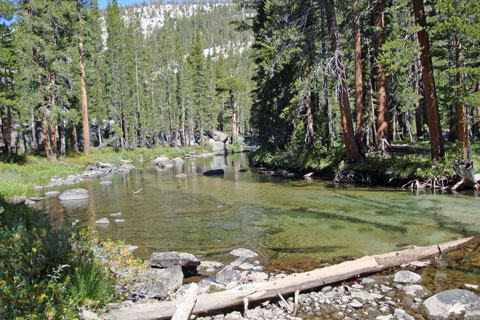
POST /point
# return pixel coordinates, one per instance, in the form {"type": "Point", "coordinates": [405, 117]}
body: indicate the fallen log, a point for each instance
{"type": "Point", "coordinates": [288, 285]}
{"type": "Point", "coordinates": [185, 308]}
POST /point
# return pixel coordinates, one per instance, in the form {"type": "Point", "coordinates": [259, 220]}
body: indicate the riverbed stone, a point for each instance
{"type": "Point", "coordinates": [117, 214]}
{"type": "Point", "coordinates": [18, 200]}
{"type": "Point", "coordinates": [119, 220]}
{"type": "Point", "coordinates": [416, 291]}
{"type": "Point", "coordinates": [106, 183]}
{"type": "Point", "coordinates": [102, 221]}
{"type": "Point", "coordinates": [406, 276]}
{"type": "Point", "coordinates": [456, 303]}
{"type": "Point", "coordinates": [400, 314]}
{"type": "Point", "coordinates": [51, 194]}
{"type": "Point", "coordinates": [209, 267]}
{"type": "Point", "coordinates": [473, 287]}
{"type": "Point", "coordinates": [257, 277]}
{"type": "Point", "coordinates": [173, 258]}
{"type": "Point", "coordinates": [227, 276]}
{"type": "Point", "coordinates": [74, 194]}
{"type": "Point", "coordinates": [181, 175]}
{"type": "Point", "coordinates": [243, 253]}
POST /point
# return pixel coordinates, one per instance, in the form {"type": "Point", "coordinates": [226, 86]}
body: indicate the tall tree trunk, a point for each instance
{"type": "Point", "coordinates": [74, 138]}
{"type": "Point", "coordinates": [46, 138]}
{"type": "Point", "coordinates": [358, 78]}
{"type": "Point", "coordinates": [418, 107]}
{"type": "Point", "coordinates": [201, 132]}
{"type": "Point", "coordinates": [310, 118]}
{"type": "Point", "coordinates": [328, 126]}
{"type": "Point", "coordinates": [84, 103]}
{"type": "Point", "coordinates": [461, 109]}
{"type": "Point", "coordinates": [33, 127]}
{"type": "Point", "coordinates": [351, 148]}
{"type": "Point", "coordinates": [234, 117]}
{"type": "Point", "coordinates": [383, 114]}
{"type": "Point", "coordinates": [124, 130]}
{"type": "Point", "coordinates": [6, 120]}
{"type": "Point", "coordinates": [99, 133]}
{"type": "Point", "coordinates": [63, 146]}
{"type": "Point", "coordinates": [137, 93]}
{"type": "Point", "coordinates": [476, 116]}
{"type": "Point", "coordinates": [53, 121]}
{"type": "Point", "coordinates": [436, 139]}
{"type": "Point", "coordinates": [184, 138]}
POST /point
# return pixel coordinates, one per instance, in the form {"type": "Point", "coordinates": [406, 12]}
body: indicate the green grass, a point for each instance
{"type": "Point", "coordinates": [20, 177]}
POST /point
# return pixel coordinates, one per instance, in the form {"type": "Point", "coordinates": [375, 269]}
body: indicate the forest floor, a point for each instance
{"type": "Point", "coordinates": [405, 162]}
{"type": "Point", "coordinates": [21, 176]}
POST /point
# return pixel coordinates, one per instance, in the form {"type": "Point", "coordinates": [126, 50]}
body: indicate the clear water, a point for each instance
{"type": "Point", "coordinates": [282, 219]}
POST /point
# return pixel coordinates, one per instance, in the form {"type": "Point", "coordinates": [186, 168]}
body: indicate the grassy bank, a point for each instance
{"type": "Point", "coordinates": [398, 168]}
{"type": "Point", "coordinates": [48, 273]}
{"type": "Point", "coordinates": [21, 176]}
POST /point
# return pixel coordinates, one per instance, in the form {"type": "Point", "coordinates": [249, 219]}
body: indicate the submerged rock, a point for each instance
{"type": "Point", "coordinates": [216, 172]}
{"type": "Point", "coordinates": [74, 194]}
{"type": "Point", "coordinates": [406, 276]}
{"type": "Point", "coordinates": [456, 303]}
{"type": "Point", "coordinates": [168, 259]}
{"type": "Point", "coordinates": [106, 183]}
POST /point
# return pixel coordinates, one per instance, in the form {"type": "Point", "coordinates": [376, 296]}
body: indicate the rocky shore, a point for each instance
{"type": "Point", "coordinates": [393, 295]}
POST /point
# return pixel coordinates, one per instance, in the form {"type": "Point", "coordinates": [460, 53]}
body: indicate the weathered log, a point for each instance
{"type": "Point", "coordinates": [185, 308]}
{"type": "Point", "coordinates": [288, 285]}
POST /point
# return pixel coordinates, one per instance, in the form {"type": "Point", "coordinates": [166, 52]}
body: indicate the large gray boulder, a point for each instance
{"type": "Point", "coordinates": [218, 147]}
{"type": "Point", "coordinates": [406, 277]}
{"type": "Point", "coordinates": [160, 161]}
{"type": "Point", "coordinates": [452, 304]}
{"type": "Point", "coordinates": [161, 284]}
{"type": "Point", "coordinates": [168, 259]}
{"type": "Point", "coordinates": [243, 253]}
{"type": "Point", "coordinates": [74, 194]}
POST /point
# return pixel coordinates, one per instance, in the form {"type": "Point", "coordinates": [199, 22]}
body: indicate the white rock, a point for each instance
{"type": "Point", "coordinates": [106, 183]}
{"type": "Point", "coordinates": [102, 221]}
{"type": "Point", "coordinates": [243, 253]}
{"type": "Point", "coordinates": [51, 194]}
{"type": "Point", "coordinates": [406, 277]}
{"type": "Point", "coordinates": [74, 194]}
{"type": "Point", "coordinates": [118, 214]}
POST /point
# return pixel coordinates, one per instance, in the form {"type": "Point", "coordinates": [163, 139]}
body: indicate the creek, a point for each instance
{"type": "Point", "coordinates": [294, 224]}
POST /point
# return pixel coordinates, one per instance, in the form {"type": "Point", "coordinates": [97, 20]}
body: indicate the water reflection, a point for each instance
{"type": "Point", "coordinates": [278, 218]}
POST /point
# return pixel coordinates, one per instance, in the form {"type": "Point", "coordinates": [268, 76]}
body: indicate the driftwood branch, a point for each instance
{"type": "Point", "coordinates": [290, 284]}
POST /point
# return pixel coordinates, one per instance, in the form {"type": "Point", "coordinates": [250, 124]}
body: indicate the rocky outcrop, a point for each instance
{"type": "Point", "coordinates": [452, 304]}
{"type": "Point", "coordinates": [158, 283]}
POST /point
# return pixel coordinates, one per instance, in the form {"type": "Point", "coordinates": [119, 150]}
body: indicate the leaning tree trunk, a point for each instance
{"type": "Point", "coordinates": [351, 148]}
{"type": "Point", "coordinates": [461, 109]}
{"type": "Point", "coordinates": [358, 78]}
{"type": "Point", "coordinates": [383, 131]}
{"type": "Point", "coordinates": [436, 140]}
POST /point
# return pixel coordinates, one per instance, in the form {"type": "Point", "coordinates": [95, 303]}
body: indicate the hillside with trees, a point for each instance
{"type": "Point", "coordinates": [75, 77]}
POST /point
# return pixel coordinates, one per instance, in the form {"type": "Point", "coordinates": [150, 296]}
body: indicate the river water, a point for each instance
{"type": "Point", "coordinates": [296, 224]}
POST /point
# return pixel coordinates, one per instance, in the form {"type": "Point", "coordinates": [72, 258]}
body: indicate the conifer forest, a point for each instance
{"type": "Point", "coordinates": [297, 75]}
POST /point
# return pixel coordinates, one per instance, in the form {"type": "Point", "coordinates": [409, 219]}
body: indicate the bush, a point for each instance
{"type": "Point", "coordinates": [46, 273]}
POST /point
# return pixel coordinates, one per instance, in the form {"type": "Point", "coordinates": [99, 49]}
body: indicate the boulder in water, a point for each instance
{"type": "Point", "coordinates": [168, 259]}
{"type": "Point", "coordinates": [216, 172]}
{"type": "Point", "coordinates": [74, 194]}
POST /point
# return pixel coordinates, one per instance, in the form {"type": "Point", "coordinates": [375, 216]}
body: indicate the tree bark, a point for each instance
{"type": "Point", "coordinates": [63, 147]}
{"type": "Point", "coordinates": [351, 148]}
{"type": "Point", "coordinates": [74, 138]}
{"type": "Point", "coordinates": [310, 118]}
{"type": "Point", "coordinates": [184, 138]}
{"type": "Point", "coordinates": [383, 119]}
{"type": "Point", "coordinates": [6, 120]}
{"type": "Point", "coordinates": [84, 102]}
{"type": "Point", "coordinates": [461, 109]}
{"type": "Point", "coordinates": [234, 117]}
{"type": "Point", "coordinates": [436, 139]}
{"type": "Point", "coordinates": [52, 121]}
{"type": "Point", "coordinates": [358, 78]}
{"type": "Point", "coordinates": [418, 107]}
